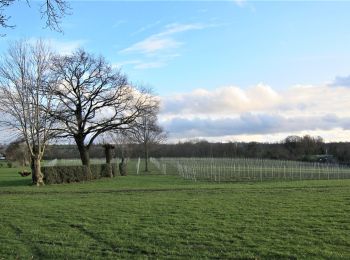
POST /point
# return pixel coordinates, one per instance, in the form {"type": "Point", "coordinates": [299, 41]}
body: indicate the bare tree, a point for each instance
{"type": "Point", "coordinates": [17, 151]}
{"type": "Point", "coordinates": [3, 17]}
{"type": "Point", "coordinates": [94, 99]}
{"type": "Point", "coordinates": [51, 10]}
{"type": "Point", "coordinates": [146, 131]}
{"type": "Point", "coordinates": [24, 80]}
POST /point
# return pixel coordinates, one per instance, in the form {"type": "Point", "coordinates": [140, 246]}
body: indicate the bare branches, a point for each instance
{"type": "Point", "coordinates": [145, 129]}
{"type": "Point", "coordinates": [3, 18]}
{"type": "Point", "coordinates": [93, 98]}
{"type": "Point", "coordinates": [24, 100]}
{"type": "Point", "coordinates": [52, 11]}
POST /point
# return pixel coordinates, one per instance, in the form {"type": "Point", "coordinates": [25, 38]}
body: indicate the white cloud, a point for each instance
{"type": "Point", "coordinates": [173, 28]}
{"type": "Point", "coordinates": [163, 40]}
{"type": "Point", "coordinates": [152, 45]}
{"type": "Point", "coordinates": [222, 101]}
{"type": "Point", "coordinates": [230, 100]}
{"type": "Point", "coordinates": [139, 64]}
{"type": "Point", "coordinates": [146, 27]}
{"type": "Point", "coordinates": [160, 47]}
{"type": "Point", "coordinates": [118, 23]}
{"type": "Point", "coordinates": [149, 65]}
{"type": "Point", "coordinates": [341, 81]}
{"type": "Point", "coordinates": [62, 47]}
{"type": "Point", "coordinates": [240, 2]}
{"type": "Point", "coordinates": [67, 47]}
{"type": "Point", "coordinates": [258, 111]}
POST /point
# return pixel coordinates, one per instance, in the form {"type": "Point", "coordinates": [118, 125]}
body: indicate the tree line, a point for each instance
{"type": "Point", "coordinates": [304, 148]}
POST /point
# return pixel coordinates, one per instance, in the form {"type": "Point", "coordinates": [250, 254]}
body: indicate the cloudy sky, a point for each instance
{"type": "Point", "coordinates": [225, 70]}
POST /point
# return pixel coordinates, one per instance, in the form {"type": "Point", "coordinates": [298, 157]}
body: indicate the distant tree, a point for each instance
{"type": "Point", "coordinates": [51, 10]}
{"type": "Point", "coordinates": [300, 147]}
{"type": "Point", "coordinates": [93, 99]}
{"type": "Point", "coordinates": [146, 131]}
{"type": "Point", "coordinates": [312, 145]}
{"type": "Point", "coordinates": [24, 100]}
{"type": "Point", "coordinates": [17, 151]}
{"type": "Point", "coordinates": [3, 148]}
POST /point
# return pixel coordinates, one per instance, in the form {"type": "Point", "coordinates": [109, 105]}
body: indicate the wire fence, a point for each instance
{"type": "Point", "coordinates": [76, 162]}
{"type": "Point", "coordinates": [244, 169]}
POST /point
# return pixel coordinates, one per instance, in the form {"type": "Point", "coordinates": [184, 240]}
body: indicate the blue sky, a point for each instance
{"type": "Point", "coordinates": [180, 47]}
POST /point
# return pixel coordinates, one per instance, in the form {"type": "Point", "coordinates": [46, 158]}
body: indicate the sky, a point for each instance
{"type": "Point", "coordinates": [224, 70]}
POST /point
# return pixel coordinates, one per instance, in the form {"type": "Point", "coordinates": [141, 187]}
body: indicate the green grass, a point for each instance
{"type": "Point", "coordinates": [157, 216]}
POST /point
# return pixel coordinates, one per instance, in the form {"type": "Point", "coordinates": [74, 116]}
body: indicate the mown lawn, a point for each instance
{"type": "Point", "coordinates": [159, 216]}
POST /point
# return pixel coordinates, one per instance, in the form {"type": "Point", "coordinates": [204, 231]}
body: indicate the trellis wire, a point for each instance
{"type": "Point", "coordinates": [244, 169]}
{"type": "Point", "coordinates": [75, 162]}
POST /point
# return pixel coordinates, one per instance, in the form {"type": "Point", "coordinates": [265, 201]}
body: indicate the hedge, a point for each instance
{"type": "Point", "coordinates": [67, 174]}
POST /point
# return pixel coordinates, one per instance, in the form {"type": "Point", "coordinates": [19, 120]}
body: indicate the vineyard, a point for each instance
{"type": "Point", "coordinates": [237, 169]}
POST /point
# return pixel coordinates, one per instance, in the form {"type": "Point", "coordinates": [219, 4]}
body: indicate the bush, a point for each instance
{"type": "Point", "coordinates": [68, 174]}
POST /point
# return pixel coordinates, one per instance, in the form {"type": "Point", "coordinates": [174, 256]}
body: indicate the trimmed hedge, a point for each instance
{"type": "Point", "coordinates": [68, 174]}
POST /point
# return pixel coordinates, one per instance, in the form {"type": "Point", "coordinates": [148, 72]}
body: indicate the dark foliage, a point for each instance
{"type": "Point", "coordinates": [68, 174]}
{"type": "Point", "coordinates": [289, 149]}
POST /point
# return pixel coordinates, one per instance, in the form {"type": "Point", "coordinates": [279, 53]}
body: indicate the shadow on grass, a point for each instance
{"type": "Point", "coordinates": [16, 182]}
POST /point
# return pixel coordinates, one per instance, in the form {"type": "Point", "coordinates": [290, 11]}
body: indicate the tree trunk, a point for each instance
{"type": "Point", "coordinates": [85, 158]}
{"type": "Point", "coordinates": [32, 159]}
{"type": "Point", "coordinates": [122, 167]}
{"type": "Point", "coordinates": [84, 155]}
{"type": "Point", "coordinates": [37, 171]}
{"type": "Point", "coordinates": [146, 158]}
{"type": "Point", "coordinates": [108, 153]}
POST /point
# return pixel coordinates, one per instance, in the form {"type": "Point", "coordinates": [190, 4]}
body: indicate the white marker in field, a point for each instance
{"type": "Point", "coordinates": [138, 166]}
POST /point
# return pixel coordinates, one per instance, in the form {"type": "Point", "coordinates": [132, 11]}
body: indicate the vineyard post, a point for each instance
{"type": "Point", "coordinates": [247, 171]}
{"type": "Point", "coordinates": [328, 171]}
{"type": "Point", "coordinates": [138, 166]}
{"type": "Point", "coordinates": [338, 171]}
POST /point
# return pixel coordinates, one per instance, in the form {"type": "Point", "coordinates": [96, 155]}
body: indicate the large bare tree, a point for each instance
{"type": "Point", "coordinates": [51, 10]}
{"type": "Point", "coordinates": [24, 100]}
{"type": "Point", "coordinates": [146, 130]}
{"type": "Point", "coordinates": [94, 99]}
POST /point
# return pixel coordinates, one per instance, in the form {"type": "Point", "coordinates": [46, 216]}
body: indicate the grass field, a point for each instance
{"type": "Point", "coordinates": [161, 216]}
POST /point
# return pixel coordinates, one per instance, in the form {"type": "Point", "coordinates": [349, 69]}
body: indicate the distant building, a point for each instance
{"type": "Point", "coordinates": [320, 158]}
{"type": "Point", "coordinates": [326, 158]}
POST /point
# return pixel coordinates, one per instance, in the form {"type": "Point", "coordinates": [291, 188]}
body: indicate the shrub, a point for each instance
{"type": "Point", "coordinates": [68, 174]}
